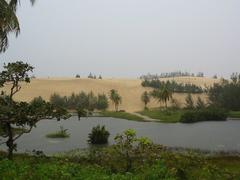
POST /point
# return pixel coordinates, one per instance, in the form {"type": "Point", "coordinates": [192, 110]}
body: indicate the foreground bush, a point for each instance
{"type": "Point", "coordinates": [130, 158]}
{"type": "Point", "coordinates": [208, 114]}
{"type": "Point", "coordinates": [99, 135]}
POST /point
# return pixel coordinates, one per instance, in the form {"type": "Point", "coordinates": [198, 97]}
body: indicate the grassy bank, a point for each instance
{"type": "Point", "coordinates": [168, 116]}
{"type": "Point", "coordinates": [173, 116]}
{"type": "Point", "coordinates": [234, 114]}
{"type": "Point", "coordinates": [169, 166]}
{"type": "Point", "coordinates": [121, 115]}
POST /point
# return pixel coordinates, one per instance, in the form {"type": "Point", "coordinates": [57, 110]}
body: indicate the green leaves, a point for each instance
{"type": "Point", "coordinates": [22, 114]}
{"type": "Point", "coordinates": [8, 23]}
{"type": "Point", "coordinates": [115, 98]}
{"type": "Point", "coordinates": [99, 135]}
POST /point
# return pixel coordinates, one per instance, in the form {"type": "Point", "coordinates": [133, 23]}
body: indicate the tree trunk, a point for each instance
{"type": "Point", "coordinates": [9, 143]}
{"type": "Point", "coordinates": [116, 107]}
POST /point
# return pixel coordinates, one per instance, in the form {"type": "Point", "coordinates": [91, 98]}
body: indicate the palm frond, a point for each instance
{"type": "Point", "coordinates": [8, 23]}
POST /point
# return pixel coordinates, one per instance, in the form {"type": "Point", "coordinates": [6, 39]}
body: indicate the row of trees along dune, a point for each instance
{"type": "Point", "coordinates": [87, 101]}
{"type": "Point", "coordinates": [81, 100]}
{"type": "Point", "coordinates": [171, 74]}
{"type": "Point", "coordinates": [173, 86]}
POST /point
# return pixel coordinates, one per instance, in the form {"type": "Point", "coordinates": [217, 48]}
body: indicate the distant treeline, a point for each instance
{"type": "Point", "coordinates": [173, 86]}
{"type": "Point", "coordinates": [81, 100]}
{"type": "Point", "coordinates": [171, 74]}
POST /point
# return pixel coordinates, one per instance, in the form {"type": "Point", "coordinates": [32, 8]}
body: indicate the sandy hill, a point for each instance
{"type": "Point", "coordinates": [129, 89]}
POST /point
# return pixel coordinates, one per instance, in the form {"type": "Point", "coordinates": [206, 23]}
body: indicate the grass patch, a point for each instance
{"type": "Point", "coordinates": [171, 166]}
{"type": "Point", "coordinates": [62, 133]}
{"type": "Point", "coordinates": [234, 114]}
{"type": "Point", "coordinates": [121, 115]}
{"type": "Point", "coordinates": [168, 116]}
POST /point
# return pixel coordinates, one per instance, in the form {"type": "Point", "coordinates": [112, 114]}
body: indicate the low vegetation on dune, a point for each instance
{"type": "Point", "coordinates": [173, 86]}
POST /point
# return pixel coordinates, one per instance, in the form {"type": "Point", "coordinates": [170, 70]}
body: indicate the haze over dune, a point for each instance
{"type": "Point", "coordinates": [130, 89]}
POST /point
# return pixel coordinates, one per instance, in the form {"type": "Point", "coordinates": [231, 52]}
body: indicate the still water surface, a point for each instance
{"type": "Point", "coordinates": [216, 136]}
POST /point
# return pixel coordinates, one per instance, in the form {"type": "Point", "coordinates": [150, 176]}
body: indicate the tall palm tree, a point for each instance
{"type": "Point", "coordinates": [115, 98]}
{"type": "Point", "coordinates": [157, 94]}
{"type": "Point", "coordinates": [166, 95]}
{"type": "Point", "coordinates": [8, 21]}
{"type": "Point", "coordinates": [162, 95]}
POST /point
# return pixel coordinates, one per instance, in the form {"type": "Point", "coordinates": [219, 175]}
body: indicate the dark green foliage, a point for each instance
{"type": "Point", "coordinates": [92, 101]}
{"type": "Point", "coordinates": [57, 100]}
{"type": "Point", "coordinates": [129, 153]}
{"type": "Point", "coordinates": [99, 135]}
{"type": "Point", "coordinates": [208, 114]}
{"type": "Point", "coordinates": [102, 102]}
{"type": "Point", "coordinates": [189, 104]}
{"type": "Point", "coordinates": [22, 115]}
{"type": "Point", "coordinates": [171, 74]}
{"type": "Point", "coordinates": [162, 95]}
{"type": "Point", "coordinates": [200, 104]}
{"type": "Point", "coordinates": [77, 76]}
{"type": "Point", "coordinates": [81, 113]}
{"type": "Point", "coordinates": [226, 94]}
{"type": "Point", "coordinates": [81, 101]}
{"type": "Point", "coordinates": [115, 98]}
{"type": "Point", "coordinates": [8, 23]}
{"type": "Point", "coordinates": [172, 86]}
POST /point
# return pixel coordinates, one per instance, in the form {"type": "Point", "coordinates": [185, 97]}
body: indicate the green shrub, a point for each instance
{"type": "Point", "coordinates": [99, 135]}
{"type": "Point", "coordinates": [58, 100]}
{"type": "Point", "coordinates": [62, 133]}
{"type": "Point", "coordinates": [208, 114]}
{"type": "Point", "coordinates": [102, 102]}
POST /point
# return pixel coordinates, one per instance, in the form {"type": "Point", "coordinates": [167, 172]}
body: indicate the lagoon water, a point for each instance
{"type": "Point", "coordinates": [214, 136]}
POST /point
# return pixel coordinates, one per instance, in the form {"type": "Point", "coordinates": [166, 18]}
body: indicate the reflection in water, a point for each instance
{"type": "Point", "coordinates": [205, 135]}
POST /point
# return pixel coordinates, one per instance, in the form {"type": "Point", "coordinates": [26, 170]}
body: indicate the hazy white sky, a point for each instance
{"type": "Point", "coordinates": [127, 38]}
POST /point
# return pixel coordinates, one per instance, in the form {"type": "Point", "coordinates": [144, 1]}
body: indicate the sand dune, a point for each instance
{"type": "Point", "coordinates": [129, 89]}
